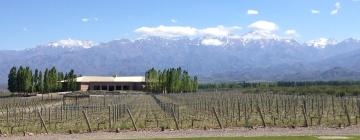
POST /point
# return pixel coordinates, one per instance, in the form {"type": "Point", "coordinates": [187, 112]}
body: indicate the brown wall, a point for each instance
{"type": "Point", "coordinates": [84, 86]}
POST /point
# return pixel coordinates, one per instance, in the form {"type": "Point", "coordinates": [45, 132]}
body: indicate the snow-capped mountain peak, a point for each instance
{"type": "Point", "coordinates": [321, 43]}
{"type": "Point", "coordinates": [257, 35]}
{"type": "Point", "coordinates": [71, 43]}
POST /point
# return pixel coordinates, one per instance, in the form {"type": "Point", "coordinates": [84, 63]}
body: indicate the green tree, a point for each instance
{"type": "Point", "coordinates": [46, 81]}
{"type": "Point", "coordinates": [20, 79]}
{"type": "Point", "coordinates": [60, 78]}
{"type": "Point", "coordinates": [40, 84]}
{"type": "Point", "coordinates": [12, 81]}
{"type": "Point", "coordinates": [28, 80]}
{"type": "Point", "coordinates": [173, 80]}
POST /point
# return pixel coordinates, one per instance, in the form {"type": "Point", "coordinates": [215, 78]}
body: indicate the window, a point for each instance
{"type": "Point", "coordinates": [111, 88]}
{"type": "Point", "coordinates": [126, 88]}
{"type": "Point", "coordinates": [118, 87]}
{"type": "Point", "coordinates": [96, 87]}
{"type": "Point", "coordinates": [104, 87]}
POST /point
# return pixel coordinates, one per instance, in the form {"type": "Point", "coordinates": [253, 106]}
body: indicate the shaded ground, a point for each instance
{"type": "Point", "coordinates": [236, 132]}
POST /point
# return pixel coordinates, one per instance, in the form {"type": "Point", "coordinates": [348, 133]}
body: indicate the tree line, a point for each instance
{"type": "Point", "coordinates": [244, 84]}
{"type": "Point", "coordinates": [24, 80]}
{"type": "Point", "coordinates": [173, 80]}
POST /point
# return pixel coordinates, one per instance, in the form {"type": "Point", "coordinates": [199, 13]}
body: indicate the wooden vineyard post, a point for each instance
{"type": "Point", "coordinates": [333, 106]}
{"type": "Point", "coordinates": [132, 119]}
{"type": "Point", "coordinates": [49, 117]}
{"type": "Point", "coordinates": [61, 113]}
{"type": "Point", "coordinates": [304, 114]}
{"type": "Point", "coordinates": [347, 115]}
{"type": "Point", "coordinates": [42, 121]}
{"type": "Point", "coordinates": [175, 120]}
{"type": "Point", "coordinates": [217, 118]}
{"type": "Point", "coordinates": [109, 107]}
{"type": "Point", "coordinates": [261, 115]}
{"type": "Point", "coordinates": [87, 121]}
{"type": "Point", "coordinates": [239, 110]}
{"type": "Point", "coordinates": [7, 114]}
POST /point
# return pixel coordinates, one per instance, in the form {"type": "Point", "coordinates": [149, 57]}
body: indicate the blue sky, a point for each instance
{"type": "Point", "coordinates": [27, 23]}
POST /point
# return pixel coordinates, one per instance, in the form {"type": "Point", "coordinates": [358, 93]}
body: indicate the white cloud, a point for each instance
{"type": "Point", "coordinates": [219, 31]}
{"type": "Point", "coordinates": [337, 8]}
{"type": "Point", "coordinates": [291, 33]}
{"type": "Point", "coordinates": [181, 31]}
{"type": "Point", "coordinates": [167, 31]}
{"type": "Point", "coordinates": [263, 25]}
{"type": "Point", "coordinates": [85, 19]}
{"type": "Point", "coordinates": [173, 20]}
{"type": "Point", "coordinates": [258, 30]}
{"type": "Point", "coordinates": [212, 42]}
{"type": "Point", "coordinates": [313, 11]}
{"type": "Point", "coordinates": [252, 12]}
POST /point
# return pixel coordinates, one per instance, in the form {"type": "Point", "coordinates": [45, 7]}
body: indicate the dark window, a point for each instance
{"type": "Point", "coordinates": [104, 88]}
{"type": "Point", "coordinates": [118, 87]}
{"type": "Point", "coordinates": [96, 87]}
{"type": "Point", "coordinates": [111, 88]}
{"type": "Point", "coordinates": [126, 88]}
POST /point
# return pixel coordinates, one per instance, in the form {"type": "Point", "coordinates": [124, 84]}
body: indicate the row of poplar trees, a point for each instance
{"type": "Point", "coordinates": [173, 80]}
{"type": "Point", "coordinates": [24, 80]}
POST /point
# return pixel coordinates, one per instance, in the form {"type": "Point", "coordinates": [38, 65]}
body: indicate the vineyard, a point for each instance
{"type": "Point", "coordinates": [202, 110]}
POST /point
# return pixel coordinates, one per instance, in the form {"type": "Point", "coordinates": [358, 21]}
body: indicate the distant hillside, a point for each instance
{"type": "Point", "coordinates": [234, 60]}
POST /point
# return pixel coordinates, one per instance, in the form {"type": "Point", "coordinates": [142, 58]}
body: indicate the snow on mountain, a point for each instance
{"type": "Point", "coordinates": [212, 42]}
{"type": "Point", "coordinates": [321, 43]}
{"type": "Point", "coordinates": [258, 35]}
{"type": "Point", "coordinates": [71, 43]}
{"type": "Point", "coordinates": [262, 56]}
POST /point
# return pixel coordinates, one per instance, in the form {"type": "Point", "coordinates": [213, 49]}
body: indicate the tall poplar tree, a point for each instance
{"type": "Point", "coordinates": [12, 81]}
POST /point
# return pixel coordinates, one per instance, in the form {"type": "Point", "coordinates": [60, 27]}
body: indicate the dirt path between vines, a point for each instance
{"type": "Point", "coordinates": [316, 131]}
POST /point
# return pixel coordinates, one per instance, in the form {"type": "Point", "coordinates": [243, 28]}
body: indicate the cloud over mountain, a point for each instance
{"type": "Point", "coordinates": [261, 29]}
{"type": "Point", "coordinates": [264, 26]}
{"type": "Point", "coordinates": [186, 31]}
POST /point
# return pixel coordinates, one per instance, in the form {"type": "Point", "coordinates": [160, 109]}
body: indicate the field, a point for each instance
{"type": "Point", "coordinates": [158, 112]}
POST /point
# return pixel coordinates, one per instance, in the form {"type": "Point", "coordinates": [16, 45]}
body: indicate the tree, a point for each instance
{"type": "Point", "coordinates": [46, 81]}
{"type": "Point", "coordinates": [60, 78]}
{"type": "Point", "coordinates": [28, 80]}
{"type": "Point", "coordinates": [173, 80]}
{"type": "Point", "coordinates": [70, 79]}
{"type": "Point", "coordinates": [40, 84]}
{"type": "Point", "coordinates": [24, 80]}
{"type": "Point", "coordinates": [35, 80]}
{"type": "Point", "coordinates": [20, 79]}
{"type": "Point", "coordinates": [12, 81]}
{"type": "Point", "coordinates": [53, 80]}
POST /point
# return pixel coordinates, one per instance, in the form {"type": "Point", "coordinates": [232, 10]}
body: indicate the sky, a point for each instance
{"type": "Point", "coordinates": [28, 23]}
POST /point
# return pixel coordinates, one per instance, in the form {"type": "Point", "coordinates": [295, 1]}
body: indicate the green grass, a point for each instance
{"type": "Point", "coordinates": [258, 138]}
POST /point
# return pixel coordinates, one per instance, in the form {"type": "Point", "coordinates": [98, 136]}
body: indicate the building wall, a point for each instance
{"type": "Point", "coordinates": [111, 86]}
{"type": "Point", "coordinates": [84, 86]}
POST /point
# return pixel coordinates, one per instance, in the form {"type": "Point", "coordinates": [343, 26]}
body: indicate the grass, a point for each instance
{"type": "Point", "coordinates": [265, 138]}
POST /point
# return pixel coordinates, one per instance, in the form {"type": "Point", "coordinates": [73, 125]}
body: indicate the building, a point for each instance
{"type": "Point", "coordinates": [111, 83]}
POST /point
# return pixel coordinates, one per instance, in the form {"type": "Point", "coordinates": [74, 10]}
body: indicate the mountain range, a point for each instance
{"type": "Point", "coordinates": [211, 59]}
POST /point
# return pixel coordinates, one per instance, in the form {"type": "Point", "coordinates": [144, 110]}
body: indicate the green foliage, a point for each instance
{"type": "Point", "coordinates": [291, 87]}
{"type": "Point", "coordinates": [12, 81]}
{"type": "Point", "coordinates": [70, 84]}
{"type": "Point", "coordinates": [24, 80]}
{"type": "Point", "coordinates": [173, 80]}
